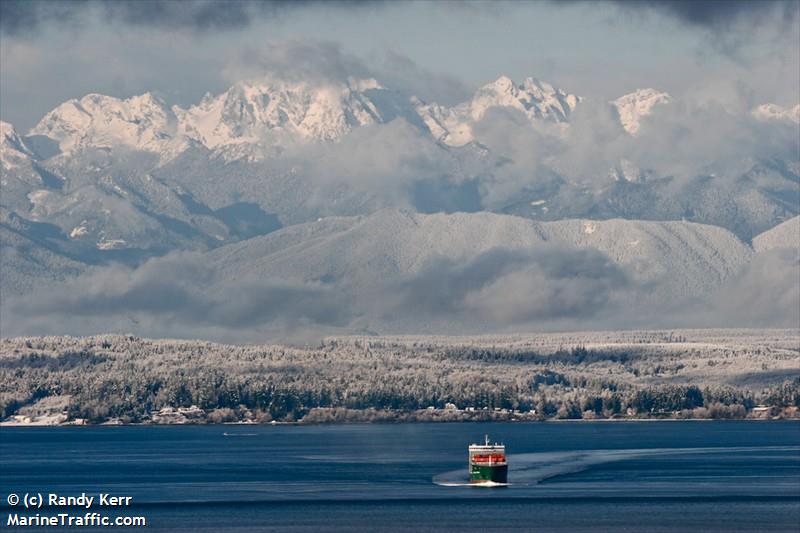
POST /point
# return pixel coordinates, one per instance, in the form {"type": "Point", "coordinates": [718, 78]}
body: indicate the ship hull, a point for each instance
{"type": "Point", "coordinates": [488, 474]}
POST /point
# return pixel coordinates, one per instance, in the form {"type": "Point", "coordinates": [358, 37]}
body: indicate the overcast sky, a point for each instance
{"type": "Point", "coordinates": [742, 52]}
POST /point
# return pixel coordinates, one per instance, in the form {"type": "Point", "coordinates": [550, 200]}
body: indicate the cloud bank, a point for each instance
{"type": "Point", "coordinates": [172, 295]}
{"type": "Point", "coordinates": [553, 287]}
{"type": "Point", "coordinates": [20, 17]}
{"type": "Point", "coordinates": [23, 16]}
{"type": "Point", "coordinates": [506, 288]}
{"type": "Point", "coordinates": [178, 293]}
{"type": "Point", "coordinates": [716, 14]}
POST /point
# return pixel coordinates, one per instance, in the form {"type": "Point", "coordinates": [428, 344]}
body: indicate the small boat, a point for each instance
{"type": "Point", "coordinates": [487, 464]}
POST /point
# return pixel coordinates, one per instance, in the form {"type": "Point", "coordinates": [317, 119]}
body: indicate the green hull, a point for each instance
{"type": "Point", "coordinates": [485, 474]}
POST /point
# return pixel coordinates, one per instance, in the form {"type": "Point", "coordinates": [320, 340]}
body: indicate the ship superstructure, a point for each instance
{"type": "Point", "coordinates": [487, 463]}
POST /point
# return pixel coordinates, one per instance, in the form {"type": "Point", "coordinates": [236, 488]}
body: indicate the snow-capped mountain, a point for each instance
{"type": "Point", "coordinates": [249, 120]}
{"type": "Point", "coordinates": [631, 109]}
{"type": "Point", "coordinates": [640, 103]}
{"type": "Point", "coordinates": [252, 117]}
{"type": "Point", "coordinates": [257, 118]}
{"type": "Point", "coordinates": [20, 173]}
{"type": "Point", "coordinates": [775, 112]}
{"type": "Point", "coordinates": [310, 185]}
{"type": "Point", "coordinates": [537, 100]}
{"type": "Point", "coordinates": [104, 178]}
{"type": "Point", "coordinates": [485, 253]}
{"type": "Point", "coordinates": [141, 122]}
{"type": "Point", "coordinates": [784, 235]}
{"type": "Point", "coordinates": [392, 241]}
{"type": "Point", "coordinates": [13, 150]}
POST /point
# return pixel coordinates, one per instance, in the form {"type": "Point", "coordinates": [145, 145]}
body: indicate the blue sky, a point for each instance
{"type": "Point", "coordinates": [446, 50]}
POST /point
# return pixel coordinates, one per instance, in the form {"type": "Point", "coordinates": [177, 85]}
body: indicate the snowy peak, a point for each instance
{"type": "Point", "coordinates": [258, 118]}
{"type": "Point", "coordinates": [640, 103]}
{"type": "Point", "coordinates": [248, 111]}
{"type": "Point", "coordinates": [13, 151]}
{"type": "Point", "coordinates": [768, 112]}
{"type": "Point", "coordinates": [10, 139]}
{"type": "Point", "coordinates": [535, 99]}
{"type": "Point", "coordinates": [248, 120]}
{"type": "Point", "coordinates": [269, 110]}
{"type": "Point", "coordinates": [141, 122]}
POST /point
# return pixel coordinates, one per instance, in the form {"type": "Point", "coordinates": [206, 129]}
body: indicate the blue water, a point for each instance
{"type": "Point", "coordinates": [651, 476]}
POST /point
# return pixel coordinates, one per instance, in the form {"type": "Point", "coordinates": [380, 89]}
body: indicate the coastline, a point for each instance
{"type": "Point", "coordinates": [404, 418]}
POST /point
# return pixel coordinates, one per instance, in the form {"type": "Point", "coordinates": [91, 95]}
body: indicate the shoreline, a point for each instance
{"type": "Point", "coordinates": [398, 422]}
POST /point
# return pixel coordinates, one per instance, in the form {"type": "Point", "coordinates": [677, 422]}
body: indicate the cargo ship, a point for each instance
{"type": "Point", "coordinates": [487, 464]}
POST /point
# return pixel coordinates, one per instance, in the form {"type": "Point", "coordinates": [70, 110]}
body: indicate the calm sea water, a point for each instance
{"type": "Point", "coordinates": [568, 477]}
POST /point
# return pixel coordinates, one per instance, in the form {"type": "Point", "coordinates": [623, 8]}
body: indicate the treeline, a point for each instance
{"type": "Point", "coordinates": [130, 379]}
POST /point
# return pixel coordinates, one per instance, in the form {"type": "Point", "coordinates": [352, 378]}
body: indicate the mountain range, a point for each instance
{"type": "Point", "coordinates": [352, 185]}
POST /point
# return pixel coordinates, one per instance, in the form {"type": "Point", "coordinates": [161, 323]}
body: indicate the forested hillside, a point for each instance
{"type": "Point", "coordinates": [692, 374]}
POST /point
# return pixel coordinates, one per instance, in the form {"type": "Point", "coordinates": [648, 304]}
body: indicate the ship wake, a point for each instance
{"type": "Point", "coordinates": [529, 469]}
{"type": "Point", "coordinates": [484, 484]}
